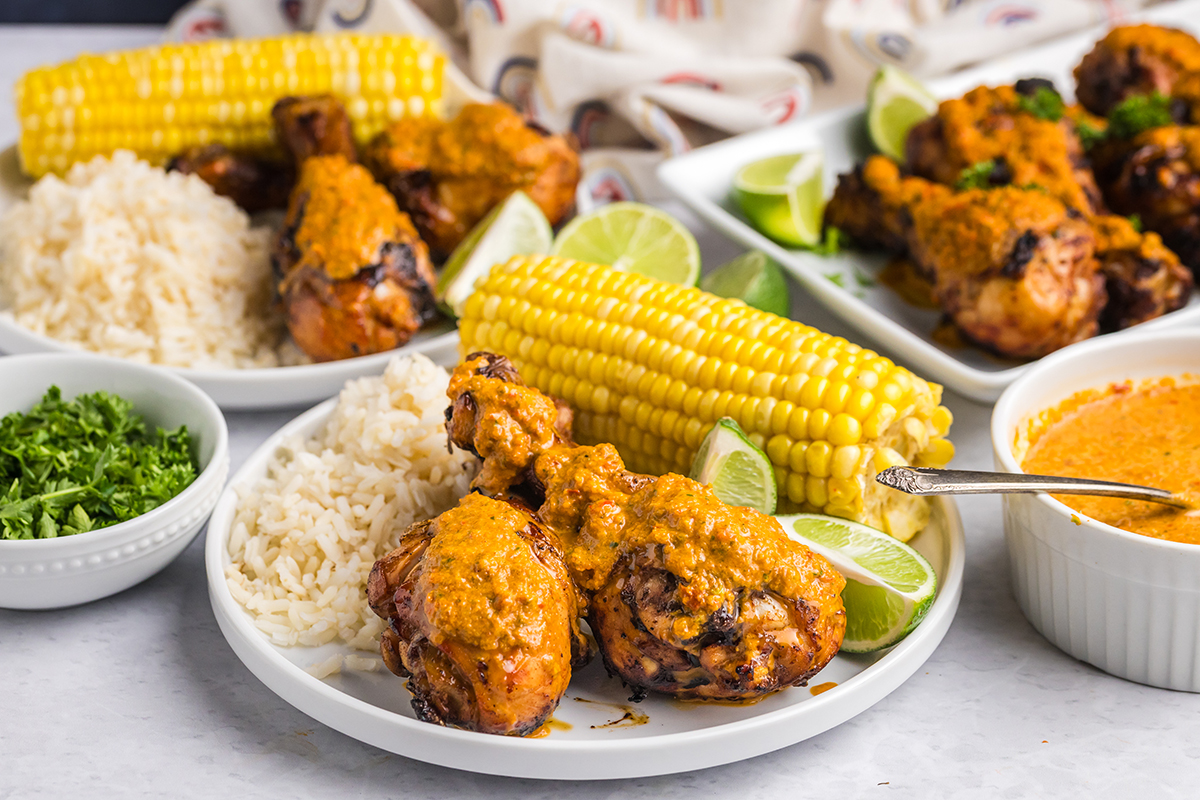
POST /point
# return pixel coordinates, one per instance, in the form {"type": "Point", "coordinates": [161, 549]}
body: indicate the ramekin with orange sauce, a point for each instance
{"type": "Point", "coordinates": [1127, 602]}
{"type": "Point", "coordinates": [1144, 432]}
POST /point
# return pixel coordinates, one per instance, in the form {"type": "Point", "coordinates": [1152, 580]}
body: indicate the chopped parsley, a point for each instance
{"type": "Point", "coordinates": [831, 242]}
{"type": "Point", "coordinates": [1089, 135]}
{"type": "Point", "coordinates": [1136, 221]}
{"type": "Point", "coordinates": [976, 176]}
{"type": "Point", "coordinates": [1139, 113]}
{"type": "Point", "coordinates": [72, 466]}
{"type": "Point", "coordinates": [864, 281]}
{"type": "Point", "coordinates": [1044, 103]}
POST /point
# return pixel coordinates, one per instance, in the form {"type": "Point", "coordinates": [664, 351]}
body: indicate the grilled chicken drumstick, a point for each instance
{"type": "Point", "coordinates": [482, 616]}
{"type": "Point", "coordinates": [685, 595]}
{"type": "Point", "coordinates": [354, 276]}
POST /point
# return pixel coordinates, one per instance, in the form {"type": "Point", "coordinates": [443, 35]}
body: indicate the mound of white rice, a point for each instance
{"type": "Point", "coordinates": [126, 259]}
{"type": "Point", "coordinates": [306, 536]}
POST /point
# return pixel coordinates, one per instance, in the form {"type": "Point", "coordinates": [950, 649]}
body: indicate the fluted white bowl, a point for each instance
{"type": "Point", "coordinates": [1126, 603]}
{"type": "Point", "coordinates": [50, 573]}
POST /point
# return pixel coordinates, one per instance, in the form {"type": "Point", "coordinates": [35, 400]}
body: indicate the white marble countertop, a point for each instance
{"type": "Point", "coordinates": [139, 695]}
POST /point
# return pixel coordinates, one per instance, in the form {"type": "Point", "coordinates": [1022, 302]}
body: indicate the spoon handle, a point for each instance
{"type": "Point", "coordinates": [924, 481]}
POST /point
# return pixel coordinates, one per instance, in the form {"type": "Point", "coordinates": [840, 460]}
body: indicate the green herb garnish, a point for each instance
{"type": "Point", "coordinates": [1136, 221]}
{"type": "Point", "coordinates": [976, 176]}
{"type": "Point", "coordinates": [831, 242]}
{"type": "Point", "coordinates": [1139, 113]}
{"type": "Point", "coordinates": [1045, 104]}
{"type": "Point", "coordinates": [72, 466]}
{"type": "Point", "coordinates": [1089, 134]}
{"type": "Point", "coordinates": [864, 281]}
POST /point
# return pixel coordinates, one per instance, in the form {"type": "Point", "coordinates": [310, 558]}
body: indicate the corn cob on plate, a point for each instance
{"type": "Point", "coordinates": [651, 366]}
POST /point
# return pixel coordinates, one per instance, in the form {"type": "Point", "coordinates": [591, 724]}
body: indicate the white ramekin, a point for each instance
{"type": "Point", "coordinates": [1129, 604]}
{"type": "Point", "coordinates": [50, 573]}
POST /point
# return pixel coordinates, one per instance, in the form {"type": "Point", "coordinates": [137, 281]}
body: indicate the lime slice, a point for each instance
{"type": "Point", "coordinates": [896, 101]}
{"type": "Point", "coordinates": [633, 237]}
{"type": "Point", "coordinates": [889, 586]}
{"type": "Point", "coordinates": [753, 278]}
{"type": "Point", "coordinates": [784, 197]}
{"type": "Point", "coordinates": [515, 227]}
{"type": "Point", "coordinates": [738, 472]}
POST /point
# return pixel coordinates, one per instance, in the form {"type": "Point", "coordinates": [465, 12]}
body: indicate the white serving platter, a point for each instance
{"type": "Point", "coordinates": [374, 707]}
{"type": "Point", "coordinates": [846, 284]}
{"type": "Point", "coordinates": [234, 389]}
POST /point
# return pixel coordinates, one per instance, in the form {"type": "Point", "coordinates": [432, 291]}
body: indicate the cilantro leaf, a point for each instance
{"type": "Point", "coordinates": [1089, 135]}
{"type": "Point", "coordinates": [831, 242]}
{"type": "Point", "coordinates": [1139, 113]}
{"type": "Point", "coordinates": [1044, 103]}
{"type": "Point", "coordinates": [976, 176]}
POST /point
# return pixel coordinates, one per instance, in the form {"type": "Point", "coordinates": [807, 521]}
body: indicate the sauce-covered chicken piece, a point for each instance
{"type": "Point", "coordinates": [1013, 269]}
{"type": "Point", "coordinates": [482, 618]}
{"type": "Point", "coordinates": [989, 124]}
{"type": "Point", "coordinates": [1156, 175]}
{"type": "Point", "coordinates": [449, 174]}
{"type": "Point", "coordinates": [685, 595]}
{"type": "Point", "coordinates": [354, 276]}
{"type": "Point", "coordinates": [1133, 60]}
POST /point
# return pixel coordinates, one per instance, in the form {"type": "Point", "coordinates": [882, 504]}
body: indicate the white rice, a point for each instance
{"type": "Point", "coordinates": [129, 260]}
{"type": "Point", "coordinates": [305, 537]}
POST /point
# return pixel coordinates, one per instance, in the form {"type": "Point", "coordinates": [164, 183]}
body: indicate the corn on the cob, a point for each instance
{"type": "Point", "coordinates": [650, 366]}
{"type": "Point", "coordinates": [160, 100]}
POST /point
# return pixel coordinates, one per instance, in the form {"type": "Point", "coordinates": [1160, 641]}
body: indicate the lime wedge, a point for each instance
{"type": "Point", "coordinates": [515, 227]}
{"type": "Point", "coordinates": [784, 197]}
{"type": "Point", "coordinates": [889, 586]}
{"type": "Point", "coordinates": [754, 279]}
{"type": "Point", "coordinates": [738, 472]}
{"type": "Point", "coordinates": [633, 237]}
{"type": "Point", "coordinates": [896, 101]}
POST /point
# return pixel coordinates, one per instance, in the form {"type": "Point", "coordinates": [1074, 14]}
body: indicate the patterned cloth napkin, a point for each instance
{"type": "Point", "coordinates": [639, 80]}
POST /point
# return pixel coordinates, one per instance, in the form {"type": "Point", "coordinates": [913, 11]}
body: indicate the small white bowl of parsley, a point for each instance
{"type": "Point", "coordinates": [108, 470]}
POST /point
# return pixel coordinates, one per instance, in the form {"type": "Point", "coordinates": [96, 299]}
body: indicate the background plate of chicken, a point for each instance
{"type": "Point", "coordinates": [968, 276]}
{"type": "Point", "coordinates": [270, 254]}
{"type": "Point", "coordinates": [445, 584]}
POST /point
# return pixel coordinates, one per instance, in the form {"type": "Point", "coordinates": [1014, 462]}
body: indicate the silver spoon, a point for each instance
{"type": "Point", "coordinates": [924, 481]}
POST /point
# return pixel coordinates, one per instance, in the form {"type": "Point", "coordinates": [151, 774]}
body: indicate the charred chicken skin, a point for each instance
{"type": "Point", "coordinates": [314, 126]}
{"type": "Point", "coordinates": [1156, 175]}
{"type": "Point", "coordinates": [354, 277]}
{"type": "Point", "coordinates": [304, 126]}
{"type": "Point", "coordinates": [1143, 278]}
{"type": "Point", "coordinates": [254, 184]}
{"type": "Point", "coordinates": [449, 175]}
{"type": "Point", "coordinates": [685, 595]}
{"type": "Point", "coordinates": [1013, 269]}
{"type": "Point", "coordinates": [482, 618]}
{"type": "Point", "coordinates": [1135, 60]}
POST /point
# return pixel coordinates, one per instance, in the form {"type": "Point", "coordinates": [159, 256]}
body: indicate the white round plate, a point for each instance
{"type": "Point", "coordinates": [374, 707]}
{"type": "Point", "coordinates": [234, 389]}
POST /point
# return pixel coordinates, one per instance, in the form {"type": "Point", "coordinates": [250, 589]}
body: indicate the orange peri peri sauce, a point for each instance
{"type": "Point", "coordinates": [1146, 434]}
